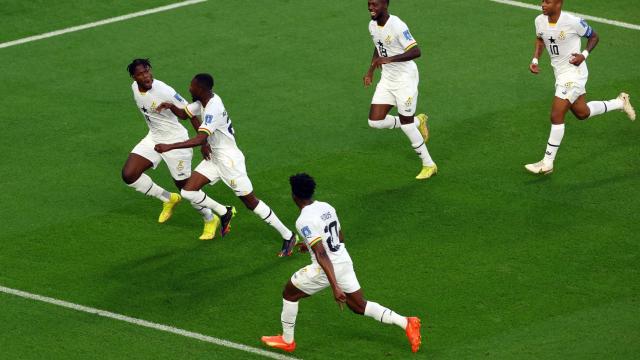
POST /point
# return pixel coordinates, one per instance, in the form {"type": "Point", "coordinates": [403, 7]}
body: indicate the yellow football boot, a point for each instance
{"type": "Point", "coordinates": [167, 208]}
{"type": "Point", "coordinates": [210, 227]}
{"type": "Point", "coordinates": [427, 172]}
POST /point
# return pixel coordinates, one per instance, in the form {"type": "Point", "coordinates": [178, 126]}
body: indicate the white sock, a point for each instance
{"type": "Point", "coordinates": [382, 314]}
{"type": "Point", "coordinates": [390, 122]}
{"type": "Point", "coordinates": [601, 107]}
{"type": "Point", "coordinates": [145, 185]}
{"type": "Point", "coordinates": [417, 143]}
{"type": "Point", "coordinates": [270, 218]}
{"type": "Point", "coordinates": [200, 199]}
{"type": "Point", "coordinates": [206, 213]}
{"type": "Point", "coordinates": [555, 139]}
{"type": "Point", "coordinates": [288, 319]}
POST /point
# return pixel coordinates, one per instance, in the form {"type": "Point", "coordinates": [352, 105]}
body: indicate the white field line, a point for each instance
{"type": "Point", "coordinates": [584, 16]}
{"type": "Point", "coordinates": [99, 23]}
{"type": "Point", "coordinates": [144, 323]}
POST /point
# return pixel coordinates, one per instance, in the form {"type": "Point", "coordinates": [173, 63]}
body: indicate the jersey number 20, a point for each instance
{"type": "Point", "coordinates": [332, 232]}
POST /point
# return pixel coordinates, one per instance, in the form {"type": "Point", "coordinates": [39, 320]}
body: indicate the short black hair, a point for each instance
{"type": "Point", "coordinates": [205, 80]}
{"type": "Point", "coordinates": [302, 185]}
{"type": "Point", "coordinates": [132, 67]}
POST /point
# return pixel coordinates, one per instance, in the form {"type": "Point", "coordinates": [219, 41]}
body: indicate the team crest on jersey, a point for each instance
{"type": "Point", "coordinates": [407, 35]}
{"type": "Point", "coordinates": [208, 119]}
{"type": "Point", "coordinates": [233, 184]}
{"type": "Point", "coordinates": [563, 35]}
{"type": "Point", "coordinates": [154, 106]}
{"type": "Point", "coordinates": [388, 40]}
{"type": "Point", "coordinates": [306, 232]}
{"type": "Point", "coordinates": [180, 166]}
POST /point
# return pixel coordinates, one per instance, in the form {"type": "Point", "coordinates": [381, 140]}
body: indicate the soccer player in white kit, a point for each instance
{"type": "Point", "coordinates": [226, 162]}
{"type": "Point", "coordinates": [560, 33]}
{"type": "Point", "coordinates": [331, 266]}
{"type": "Point", "coordinates": [394, 51]}
{"type": "Point", "coordinates": [149, 93]}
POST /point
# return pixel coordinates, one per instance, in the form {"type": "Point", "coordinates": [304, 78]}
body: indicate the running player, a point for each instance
{"type": "Point", "coordinates": [226, 162]}
{"type": "Point", "coordinates": [394, 51]}
{"type": "Point", "coordinates": [560, 33]}
{"type": "Point", "coordinates": [164, 127]}
{"type": "Point", "coordinates": [331, 266]}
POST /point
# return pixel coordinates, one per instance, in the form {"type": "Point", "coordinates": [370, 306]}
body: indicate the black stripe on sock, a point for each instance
{"type": "Point", "coordinates": [605, 106]}
{"type": "Point", "coordinates": [418, 146]}
{"type": "Point", "coordinates": [395, 122]}
{"type": "Point", "coordinates": [288, 323]}
{"type": "Point", "coordinates": [270, 212]}
{"type": "Point", "coordinates": [384, 312]}
{"type": "Point", "coordinates": [550, 144]}
{"type": "Point", "coordinates": [201, 201]}
{"type": "Point", "coordinates": [150, 187]}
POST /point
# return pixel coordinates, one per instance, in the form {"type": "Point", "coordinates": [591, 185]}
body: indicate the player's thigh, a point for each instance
{"type": "Point", "coordinates": [406, 97]}
{"type": "Point", "coordinates": [233, 173]}
{"type": "Point", "coordinates": [346, 277]}
{"type": "Point", "coordinates": [196, 182]}
{"type": "Point", "coordinates": [559, 108]}
{"type": "Point", "coordinates": [208, 170]}
{"type": "Point", "coordinates": [179, 163]}
{"type": "Point", "coordinates": [292, 293]}
{"type": "Point", "coordinates": [580, 109]}
{"type": "Point", "coordinates": [145, 149]}
{"type": "Point", "coordinates": [310, 279]}
{"type": "Point", "coordinates": [382, 101]}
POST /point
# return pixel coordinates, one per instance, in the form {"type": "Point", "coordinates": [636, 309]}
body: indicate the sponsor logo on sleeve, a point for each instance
{"type": "Point", "coordinates": [407, 35]}
{"type": "Point", "coordinates": [208, 119]}
{"type": "Point", "coordinates": [178, 97]}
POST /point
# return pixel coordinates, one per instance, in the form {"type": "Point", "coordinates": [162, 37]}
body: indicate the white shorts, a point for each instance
{"type": "Point", "coordinates": [231, 171]}
{"type": "Point", "coordinates": [570, 91]}
{"type": "Point", "coordinates": [178, 161]}
{"type": "Point", "coordinates": [311, 278]}
{"type": "Point", "coordinates": [401, 94]}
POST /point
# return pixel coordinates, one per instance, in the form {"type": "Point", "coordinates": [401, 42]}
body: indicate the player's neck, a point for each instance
{"type": "Point", "coordinates": [382, 20]}
{"type": "Point", "coordinates": [205, 99]}
{"type": "Point", "coordinates": [304, 203]}
{"type": "Point", "coordinates": [554, 17]}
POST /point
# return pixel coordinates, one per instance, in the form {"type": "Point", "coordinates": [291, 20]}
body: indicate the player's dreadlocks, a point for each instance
{"type": "Point", "coordinates": [204, 80]}
{"type": "Point", "coordinates": [132, 67]}
{"type": "Point", "coordinates": [302, 185]}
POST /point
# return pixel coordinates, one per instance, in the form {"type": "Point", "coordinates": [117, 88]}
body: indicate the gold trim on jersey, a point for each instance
{"type": "Point", "coordinates": [315, 241]}
{"type": "Point", "coordinates": [186, 109]}
{"type": "Point", "coordinates": [205, 130]}
{"type": "Point", "coordinates": [411, 46]}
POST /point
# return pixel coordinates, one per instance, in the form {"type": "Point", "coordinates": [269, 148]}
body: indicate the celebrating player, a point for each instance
{"type": "Point", "coordinates": [560, 33]}
{"type": "Point", "coordinates": [394, 51]}
{"type": "Point", "coordinates": [331, 266]}
{"type": "Point", "coordinates": [164, 127]}
{"type": "Point", "coordinates": [226, 161]}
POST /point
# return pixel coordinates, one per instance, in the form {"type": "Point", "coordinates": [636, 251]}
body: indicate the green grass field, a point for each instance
{"type": "Point", "coordinates": [499, 264]}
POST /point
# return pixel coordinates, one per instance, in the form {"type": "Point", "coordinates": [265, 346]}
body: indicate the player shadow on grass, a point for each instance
{"type": "Point", "coordinates": [180, 277]}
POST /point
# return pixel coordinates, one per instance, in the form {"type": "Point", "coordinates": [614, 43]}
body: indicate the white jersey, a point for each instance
{"type": "Point", "coordinates": [164, 127]}
{"type": "Point", "coordinates": [562, 40]}
{"type": "Point", "coordinates": [394, 38]}
{"type": "Point", "coordinates": [216, 123]}
{"type": "Point", "coordinates": [319, 222]}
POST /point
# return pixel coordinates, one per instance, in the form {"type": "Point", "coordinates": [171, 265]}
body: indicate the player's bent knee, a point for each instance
{"type": "Point", "coordinates": [129, 177]}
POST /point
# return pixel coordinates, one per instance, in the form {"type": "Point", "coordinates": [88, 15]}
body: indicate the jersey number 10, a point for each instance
{"type": "Point", "coordinates": [553, 49]}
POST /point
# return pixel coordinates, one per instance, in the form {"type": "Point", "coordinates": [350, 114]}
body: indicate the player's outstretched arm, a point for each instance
{"type": "Point", "coordinates": [408, 55]}
{"type": "Point", "coordinates": [325, 264]}
{"type": "Point", "coordinates": [593, 41]}
{"type": "Point", "coordinates": [537, 52]}
{"type": "Point", "coordinates": [179, 112]}
{"type": "Point", "coordinates": [368, 78]}
{"type": "Point", "coordinates": [198, 140]}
